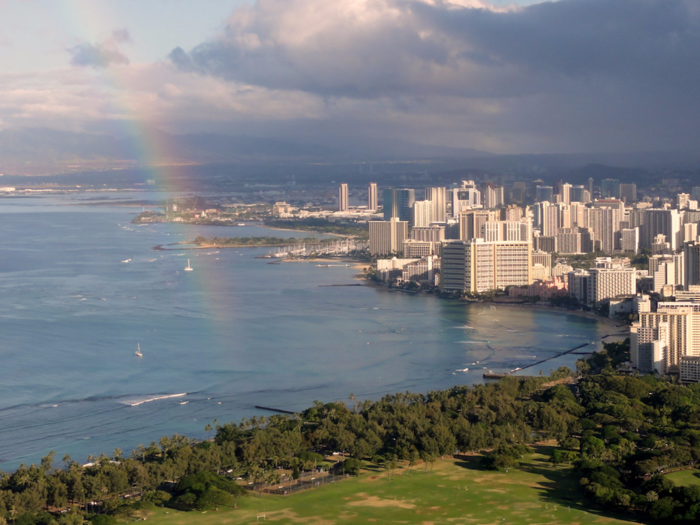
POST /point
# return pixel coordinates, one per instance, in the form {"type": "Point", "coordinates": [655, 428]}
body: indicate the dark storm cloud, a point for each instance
{"type": "Point", "coordinates": [102, 54]}
{"type": "Point", "coordinates": [568, 75]}
{"type": "Point", "coordinates": [413, 47]}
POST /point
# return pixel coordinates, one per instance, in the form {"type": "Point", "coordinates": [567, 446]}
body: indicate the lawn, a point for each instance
{"type": "Point", "coordinates": [454, 491]}
{"type": "Point", "coordinates": [685, 477]}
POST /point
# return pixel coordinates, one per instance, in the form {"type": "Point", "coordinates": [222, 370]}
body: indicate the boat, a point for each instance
{"type": "Point", "coordinates": [138, 350]}
{"type": "Point", "coordinates": [188, 268]}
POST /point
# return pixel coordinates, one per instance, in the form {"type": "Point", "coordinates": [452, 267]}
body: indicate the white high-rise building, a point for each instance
{"type": "Point", "coordinates": [372, 197]}
{"type": "Point", "coordinates": [606, 283]}
{"type": "Point", "coordinates": [477, 266]}
{"type": "Point", "coordinates": [667, 270]}
{"type": "Point", "coordinates": [649, 346]}
{"type": "Point", "coordinates": [423, 213]}
{"type": "Point", "coordinates": [506, 231]}
{"type": "Point", "coordinates": [343, 197]}
{"type": "Point", "coordinates": [438, 196]}
{"type": "Point", "coordinates": [465, 198]}
{"type": "Point", "coordinates": [566, 193]}
{"type": "Point", "coordinates": [678, 343]}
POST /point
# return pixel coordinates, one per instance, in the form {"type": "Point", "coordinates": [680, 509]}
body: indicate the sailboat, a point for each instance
{"type": "Point", "coordinates": [138, 350]}
{"type": "Point", "coordinates": [188, 268]}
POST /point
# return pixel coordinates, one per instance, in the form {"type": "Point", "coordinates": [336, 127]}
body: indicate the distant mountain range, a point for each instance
{"type": "Point", "coordinates": [33, 151]}
{"type": "Point", "coordinates": [42, 151]}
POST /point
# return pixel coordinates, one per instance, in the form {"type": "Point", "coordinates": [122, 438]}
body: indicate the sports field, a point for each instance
{"type": "Point", "coordinates": [455, 491]}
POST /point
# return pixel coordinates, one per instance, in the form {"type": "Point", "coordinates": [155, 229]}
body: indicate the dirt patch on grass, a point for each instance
{"type": "Point", "coordinates": [374, 501]}
{"type": "Point", "coordinates": [287, 514]}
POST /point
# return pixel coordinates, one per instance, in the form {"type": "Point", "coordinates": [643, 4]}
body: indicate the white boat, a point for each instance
{"type": "Point", "coordinates": [188, 268]}
{"type": "Point", "coordinates": [138, 350]}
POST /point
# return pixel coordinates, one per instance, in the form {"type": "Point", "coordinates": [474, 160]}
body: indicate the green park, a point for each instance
{"type": "Point", "coordinates": [450, 490]}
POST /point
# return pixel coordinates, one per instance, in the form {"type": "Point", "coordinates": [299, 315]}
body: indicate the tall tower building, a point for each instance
{"type": "Point", "coordinates": [628, 193]}
{"type": "Point", "coordinates": [465, 197]}
{"type": "Point", "coordinates": [655, 222]}
{"type": "Point", "coordinates": [438, 196]}
{"type": "Point", "coordinates": [565, 193]}
{"type": "Point", "coordinates": [343, 197]}
{"type": "Point", "coordinates": [610, 189]}
{"type": "Point", "coordinates": [544, 193]}
{"type": "Point", "coordinates": [423, 213]}
{"type": "Point", "coordinates": [398, 202]}
{"type": "Point", "coordinates": [372, 196]}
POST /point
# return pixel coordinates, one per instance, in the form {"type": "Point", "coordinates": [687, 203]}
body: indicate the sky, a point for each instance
{"type": "Point", "coordinates": [506, 77]}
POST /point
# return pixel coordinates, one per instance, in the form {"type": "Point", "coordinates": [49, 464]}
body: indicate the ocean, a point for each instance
{"type": "Point", "coordinates": [81, 287]}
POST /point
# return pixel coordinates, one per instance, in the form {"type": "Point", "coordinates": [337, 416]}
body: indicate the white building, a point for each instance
{"type": "Point", "coordinates": [438, 196]}
{"type": "Point", "coordinates": [423, 213]}
{"type": "Point", "coordinates": [605, 283]}
{"type": "Point", "coordinates": [372, 197]}
{"type": "Point", "coordinates": [480, 266]}
{"type": "Point", "coordinates": [343, 197]}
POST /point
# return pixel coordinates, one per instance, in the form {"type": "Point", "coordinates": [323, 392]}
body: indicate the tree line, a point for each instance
{"type": "Point", "coordinates": [620, 433]}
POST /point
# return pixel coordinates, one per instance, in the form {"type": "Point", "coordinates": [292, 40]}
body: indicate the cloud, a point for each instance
{"type": "Point", "coordinates": [102, 54]}
{"type": "Point", "coordinates": [572, 75]}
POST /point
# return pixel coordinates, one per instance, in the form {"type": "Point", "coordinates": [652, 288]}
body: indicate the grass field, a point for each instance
{"type": "Point", "coordinates": [455, 491]}
{"type": "Point", "coordinates": [685, 477]}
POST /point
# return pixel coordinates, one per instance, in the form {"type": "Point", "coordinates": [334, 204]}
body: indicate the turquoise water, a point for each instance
{"type": "Point", "coordinates": [234, 333]}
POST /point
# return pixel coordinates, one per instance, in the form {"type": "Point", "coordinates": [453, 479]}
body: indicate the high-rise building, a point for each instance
{"type": "Point", "coordinates": [604, 222]}
{"type": "Point", "coordinates": [398, 202]}
{"type": "Point", "coordinates": [423, 213]}
{"type": "Point", "coordinates": [565, 193]}
{"type": "Point", "coordinates": [629, 240]}
{"type": "Point", "coordinates": [372, 197]}
{"type": "Point", "coordinates": [387, 237]}
{"type": "Point", "coordinates": [506, 231]}
{"type": "Point", "coordinates": [628, 193]}
{"type": "Point", "coordinates": [657, 221]}
{"type": "Point", "coordinates": [667, 270]}
{"type": "Point", "coordinates": [580, 194]}
{"type": "Point", "coordinates": [648, 346]}
{"type": "Point", "coordinates": [545, 244]}
{"type": "Point", "coordinates": [678, 343]}
{"type": "Point", "coordinates": [695, 193]}
{"type": "Point", "coordinates": [512, 213]}
{"type": "Point", "coordinates": [471, 223]}
{"type": "Point", "coordinates": [610, 189]}
{"type": "Point", "coordinates": [682, 200]}
{"type": "Point", "coordinates": [438, 196]}
{"type": "Point", "coordinates": [578, 285]}
{"type": "Point", "coordinates": [574, 240]}
{"type": "Point", "coordinates": [544, 193]}
{"type": "Point", "coordinates": [606, 283]}
{"type": "Point", "coordinates": [477, 266]}
{"type": "Point", "coordinates": [691, 256]}
{"type": "Point", "coordinates": [590, 187]}
{"type": "Point", "coordinates": [493, 196]}
{"type": "Point", "coordinates": [465, 197]}
{"type": "Point", "coordinates": [343, 197]}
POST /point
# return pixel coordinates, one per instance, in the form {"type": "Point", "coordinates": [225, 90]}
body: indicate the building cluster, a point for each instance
{"type": "Point", "coordinates": [473, 239]}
